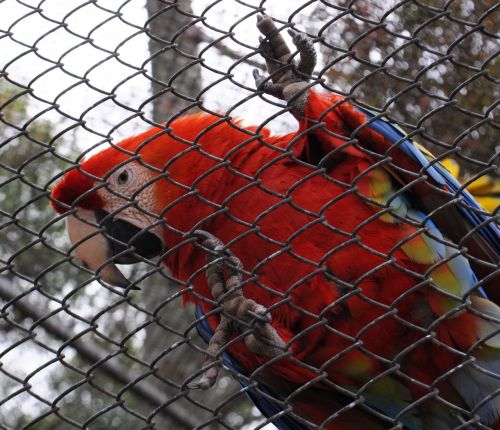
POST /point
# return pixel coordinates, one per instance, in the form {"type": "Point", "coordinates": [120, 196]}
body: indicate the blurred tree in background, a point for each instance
{"type": "Point", "coordinates": [27, 164]}
{"type": "Point", "coordinates": [431, 65]}
{"type": "Point", "coordinates": [28, 262]}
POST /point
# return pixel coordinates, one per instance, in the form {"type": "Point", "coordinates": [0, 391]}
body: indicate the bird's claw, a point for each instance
{"type": "Point", "coordinates": [308, 57]}
{"type": "Point", "coordinates": [239, 315]}
{"type": "Point", "coordinates": [265, 85]}
{"type": "Point", "coordinates": [207, 379]}
{"type": "Point", "coordinates": [287, 80]}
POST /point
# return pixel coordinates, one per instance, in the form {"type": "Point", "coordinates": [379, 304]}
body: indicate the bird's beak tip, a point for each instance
{"type": "Point", "coordinates": [100, 255]}
{"type": "Point", "coordinates": [92, 248]}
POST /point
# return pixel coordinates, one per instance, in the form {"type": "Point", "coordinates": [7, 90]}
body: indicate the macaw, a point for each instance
{"type": "Point", "coordinates": [344, 273]}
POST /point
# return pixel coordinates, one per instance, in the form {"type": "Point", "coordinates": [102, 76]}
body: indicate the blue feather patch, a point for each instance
{"type": "Point", "coordinates": [468, 207]}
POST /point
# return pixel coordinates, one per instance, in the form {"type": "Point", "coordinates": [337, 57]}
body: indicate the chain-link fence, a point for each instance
{"type": "Point", "coordinates": [269, 249]}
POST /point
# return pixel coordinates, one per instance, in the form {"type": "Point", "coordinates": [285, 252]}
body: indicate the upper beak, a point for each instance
{"type": "Point", "coordinates": [100, 241]}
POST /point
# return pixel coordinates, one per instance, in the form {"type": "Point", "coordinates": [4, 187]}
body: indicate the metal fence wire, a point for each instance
{"type": "Point", "coordinates": [211, 216]}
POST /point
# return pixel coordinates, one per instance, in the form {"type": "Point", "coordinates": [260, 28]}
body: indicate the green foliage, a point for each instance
{"type": "Point", "coordinates": [26, 166]}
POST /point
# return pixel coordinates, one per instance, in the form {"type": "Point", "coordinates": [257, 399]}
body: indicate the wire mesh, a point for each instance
{"type": "Point", "coordinates": [340, 275]}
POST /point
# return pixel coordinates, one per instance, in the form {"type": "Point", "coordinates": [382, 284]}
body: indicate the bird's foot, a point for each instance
{"type": "Point", "coordinates": [238, 315]}
{"type": "Point", "coordinates": [288, 79]}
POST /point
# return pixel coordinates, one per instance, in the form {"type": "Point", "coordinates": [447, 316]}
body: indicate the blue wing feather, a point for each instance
{"type": "Point", "coordinates": [469, 208]}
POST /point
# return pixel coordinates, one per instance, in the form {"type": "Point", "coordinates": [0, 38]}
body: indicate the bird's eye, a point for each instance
{"type": "Point", "coordinates": [123, 177]}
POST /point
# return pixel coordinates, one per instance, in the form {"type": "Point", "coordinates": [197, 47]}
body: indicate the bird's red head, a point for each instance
{"type": "Point", "coordinates": [115, 201]}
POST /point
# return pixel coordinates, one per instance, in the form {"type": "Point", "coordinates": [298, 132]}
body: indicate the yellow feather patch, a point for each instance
{"type": "Point", "coordinates": [444, 278]}
{"type": "Point", "coordinates": [452, 166]}
{"type": "Point", "coordinates": [418, 250]}
{"type": "Point", "coordinates": [377, 185]}
{"type": "Point", "coordinates": [489, 203]}
{"type": "Point", "coordinates": [357, 366]}
{"type": "Point", "coordinates": [388, 218]}
{"type": "Point", "coordinates": [381, 183]}
{"type": "Point", "coordinates": [388, 387]}
{"type": "Point", "coordinates": [483, 184]}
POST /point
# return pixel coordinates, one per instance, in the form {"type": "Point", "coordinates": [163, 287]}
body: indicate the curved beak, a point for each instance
{"type": "Point", "coordinates": [100, 241]}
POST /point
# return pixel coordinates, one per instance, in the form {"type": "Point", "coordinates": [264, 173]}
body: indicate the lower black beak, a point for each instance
{"type": "Point", "coordinates": [126, 241]}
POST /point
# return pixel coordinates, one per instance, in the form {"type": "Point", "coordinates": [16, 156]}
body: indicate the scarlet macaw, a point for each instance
{"type": "Point", "coordinates": [370, 262]}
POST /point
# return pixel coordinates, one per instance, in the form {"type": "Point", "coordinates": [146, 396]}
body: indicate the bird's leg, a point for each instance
{"type": "Point", "coordinates": [238, 314]}
{"type": "Point", "coordinates": [287, 79]}
{"type": "Point", "coordinates": [213, 363]}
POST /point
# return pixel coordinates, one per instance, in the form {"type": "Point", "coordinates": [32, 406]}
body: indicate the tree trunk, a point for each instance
{"type": "Point", "coordinates": [176, 82]}
{"type": "Point", "coordinates": [176, 75]}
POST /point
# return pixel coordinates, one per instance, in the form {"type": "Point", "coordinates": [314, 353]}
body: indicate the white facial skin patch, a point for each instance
{"type": "Point", "coordinates": [125, 199]}
{"type": "Point", "coordinates": [130, 196]}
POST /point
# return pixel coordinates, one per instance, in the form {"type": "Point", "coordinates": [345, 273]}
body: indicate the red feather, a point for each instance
{"type": "Point", "coordinates": [315, 247]}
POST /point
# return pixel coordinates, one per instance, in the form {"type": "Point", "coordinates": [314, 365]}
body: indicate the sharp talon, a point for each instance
{"type": "Point", "coordinates": [286, 77]}
{"type": "Point", "coordinates": [265, 85]}
{"type": "Point", "coordinates": [207, 379]}
{"type": "Point", "coordinates": [302, 41]}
